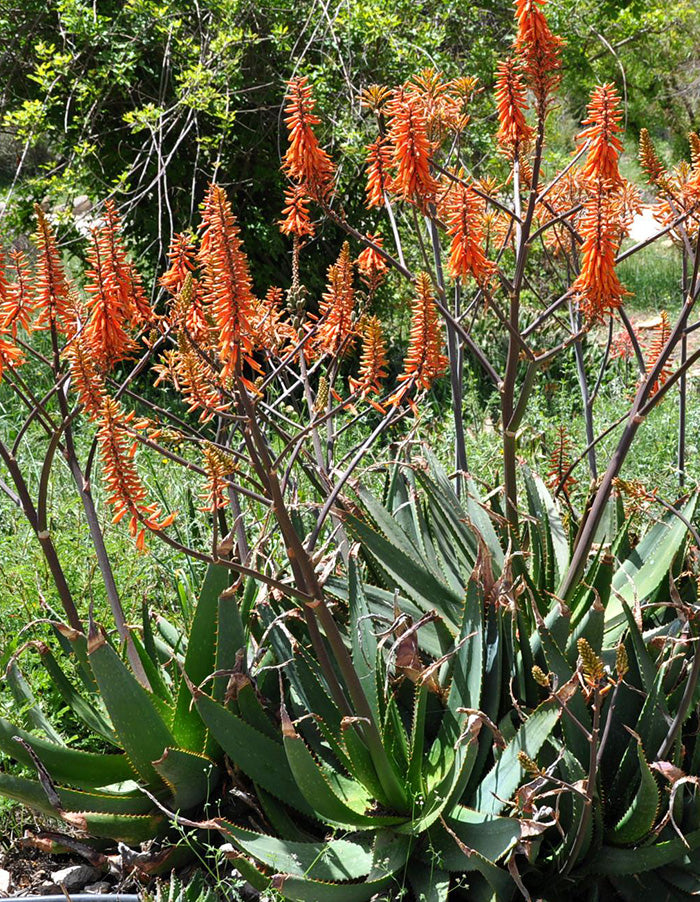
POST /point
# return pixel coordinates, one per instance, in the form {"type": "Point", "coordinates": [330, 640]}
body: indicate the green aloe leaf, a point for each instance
{"type": "Point", "coordinates": [258, 756]}
{"type": "Point", "coordinates": [88, 711]}
{"type": "Point", "coordinates": [544, 509]}
{"type": "Point", "coordinates": [363, 637]}
{"type": "Point", "coordinates": [503, 779]}
{"type": "Point", "coordinates": [619, 862]}
{"type": "Point", "coordinates": [637, 822]}
{"type": "Point", "coordinates": [338, 801]}
{"type": "Point", "coordinates": [490, 836]}
{"type": "Point", "coordinates": [429, 883]}
{"type": "Point", "coordinates": [200, 658]}
{"type": "Point", "coordinates": [138, 722]}
{"type": "Point", "coordinates": [88, 770]}
{"type": "Point", "coordinates": [31, 793]}
{"type": "Point", "coordinates": [29, 706]}
{"type": "Point", "coordinates": [647, 566]}
{"type": "Point", "coordinates": [126, 828]}
{"type": "Point", "coordinates": [190, 777]}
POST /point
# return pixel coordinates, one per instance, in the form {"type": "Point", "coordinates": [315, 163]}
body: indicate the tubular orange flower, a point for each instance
{"type": "Point", "coordinates": [336, 333]}
{"type": "Point", "coordinates": [597, 287]}
{"type": "Point", "coordinates": [296, 214]}
{"type": "Point", "coordinates": [560, 461]}
{"type": "Point", "coordinates": [653, 349]}
{"type": "Point", "coordinates": [371, 265]}
{"type": "Point", "coordinates": [106, 332]}
{"type": "Point", "coordinates": [86, 379]}
{"type": "Point", "coordinates": [411, 152]}
{"type": "Point", "coordinates": [227, 282]}
{"type": "Point", "coordinates": [182, 262]}
{"type": "Point", "coordinates": [51, 289]}
{"type": "Point", "coordinates": [464, 211]}
{"type": "Point", "coordinates": [379, 156]}
{"type": "Point", "coordinates": [538, 47]}
{"type": "Point", "coordinates": [133, 298]}
{"type": "Point", "coordinates": [272, 331]}
{"type": "Point", "coordinates": [373, 360]}
{"type": "Point", "coordinates": [305, 160]}
{"type": "Point", "coordinates": [126, 492]}
{"type": "Point", "coordinates": [514, 134]}
{"type": "Point", "coordinates": [651, 165]}
{"type": "Point", "coordinates": [424, 361]}
{"type": "Point", "coordinates": [219, 465]}
{"type": "Point", "coordinates": [17, 308]}
{"type": "Point", "coordinates": [603, 121]}
{"type": "Point", "coordinates": [196, 380]}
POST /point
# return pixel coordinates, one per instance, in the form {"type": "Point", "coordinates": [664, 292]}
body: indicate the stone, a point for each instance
{"type": "Point", "coordinates": [48, 888]}
{"type": "Point", "coordinates": [76, 876]}
{"type": "Point", "coordinates": [5, 882]}
{"type": "Point", "coordinates": [82, 205]}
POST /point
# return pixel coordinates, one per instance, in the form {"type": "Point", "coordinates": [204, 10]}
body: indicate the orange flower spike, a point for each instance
{"type": "Point", "coordinates": [218, 466]}
{"type": "Point", "coordinates": [296, 213]}
{"type": "Point", "coordinates": [514, 134]}
{"type": "Point", "coordinates": [106, 332]}
{"type": "Point", "coordinates": [227, 281]}
{"type": "Point", "coordinates": [373, 360]}
{"type": "Point", "coordinates": [598, 287]}
{"type": "Point", "coordinates": [305, 160]}
{"type": "Point", "coordinates": [411, 153]}
{"type": "Point", "coordinates": [125, 491]}
{"type": "Point", "coordinates": [538, 47]}
{"type": "Point", "coordinates": [51, 289]}
{"type": "Point", "coordinates": [336, 330]}
{"type": "Point", "coordinates": [424, 362]}
{"type": "Point", "coordinates": [86, 380]}
{"type": "Point", "coordinates": [660, 338]}
{"type": "Point", "coordinates": [371, 265]}
{"type": "Point", "coordinates": [122, 271]}
{"type": "Point", "coordinates": [464, 224]}
{"type": "Point", "coordinates": [379, 183]}
{"type": "Point", "coordinates": [18, 306]}
{"type": "Point", "coordinates": [603, 128]}
{"type": "Point", "coordinates": [183, 261]}
{"type": "Point", "coordinates": [651, 165]}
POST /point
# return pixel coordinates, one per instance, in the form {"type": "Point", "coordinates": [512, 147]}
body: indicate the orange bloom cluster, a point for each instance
{"type": "Point", "coordinates": [371, 265]}
{"type": "Point", "coordinates": [653, 350]}
{"type": "Point", "coordinates": [603, 129]}
{"type": "Point", "coordinates": [651, 165]}
{"type": "Point", "coordinates": [87, 381]}
{"type": "Point", "coordinates": [116, 300]}
{"type": "Point", "coordinates": [270, 329]}
{"type": "Point", "coordinates": [51, 296]}
{"type": "Point", "coordinates": [305, 160]}
{"type": "Point", "coordinates": [621, 346]}
{"type": "Point", "coordinates": [597, 286]}
{"type": "Point", "coordinates": [373, 361]}
{"type": "Point", "coordinates": [379, 183]}
{"type": "Point", "coordinates": [126, 492]}
{"type": "Point", "coordinates": [336, 331]}
{"type": "Point", "coordinates": [441, 102]}
{"type": "Point", "coordinates": [10, 354]}
{"type": "Point", "coordinates": [296, 214]}
{"type": "Point", "coordinates": [464, 211]}
{"type": "Point", "coordinates": [514, 134]}
{"type": "Point", "coordinates": [424, 361]}
{"type": "Point", "coordinates": [17, 304]}
{"type": "Point", "coordinates": [219, 465]}
{"type": "Point", "coordinates": [538, 47]}
{"type": "Point", "coordinates": [227, 283]}
{"type": "Point", "coordinates": [186, 309]}
{"type": "Point", "coordinates": [412, 180]}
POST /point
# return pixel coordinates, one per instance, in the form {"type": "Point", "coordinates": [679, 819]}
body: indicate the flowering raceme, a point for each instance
{"type": "Point", "coordinates": [514, 134]}
{"type": "Point", "coordinates": [424, 361]}
{"type": "Point", "coordinates": [371, 265]}
{"type": "Point", "coordinates": [597, 286]}
{"type": "Point", "coordinates": [538, 47]}
{"type": "Point", "coordinates": [602, 131]}
{"type": "Point", "coordinates": [379, 184]}
{"type": "Point", "coordinates": [296, 213]}
{"type": "Point", "coordinates": [464, 210]}
{"type": "Point", "coordinates": [51, 286]}
{"type": "Point", "coordinates": [412, 180]}
{"type": "Point", "coordinates": [373, 361]}
{"type": "Point", "coordinates": [336, 332]}
{"type": "Point", "coordinates": [305, 160]}
{"type": "Point", "coordinates": [17, 300]}
{"type": "Point", "coordinates": [126, 492]}
{"type": "Point", "coordinates": [227, 283]}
